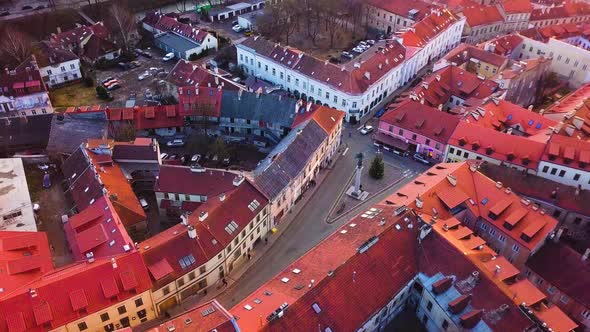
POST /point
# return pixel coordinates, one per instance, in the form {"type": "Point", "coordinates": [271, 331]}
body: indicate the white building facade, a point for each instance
{"type": "Point", "coordinates": [61, 73]}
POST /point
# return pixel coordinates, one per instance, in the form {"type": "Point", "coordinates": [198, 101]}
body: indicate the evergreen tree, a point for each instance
{"type": "Point", "coordinates": [377, 169]}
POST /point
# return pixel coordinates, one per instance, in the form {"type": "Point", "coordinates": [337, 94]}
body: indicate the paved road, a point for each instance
{"type": "Point", "coordinates": [310, 226]}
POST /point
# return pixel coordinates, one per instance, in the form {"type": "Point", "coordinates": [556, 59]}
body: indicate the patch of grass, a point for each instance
{"type": "Point", "coordinates": [34, 181]}
{"type": "Point", "coordinates": [74, 95]}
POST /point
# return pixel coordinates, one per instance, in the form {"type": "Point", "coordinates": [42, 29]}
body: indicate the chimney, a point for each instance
{"type": "Point", "coordinates": [497, 270]}
{"type": "Point", "coordinates": [203, 215]}
{"type": "Point", "coordinates": [184, 219]}
{"type": "Point", "coordinates": [90, 257]}
{"type": "Point", "coordinates": [586, 254]}
{"type": "Point", "coordinates": [192, 232]}
{"type": "Point", "coordinates": [558, 235]}
{"type": "Point", "coordinates": [114, 263]}
{"type": "Point", "coordinates": [367, 75]}
{"type": "Point", "coordinates": [32, 292]}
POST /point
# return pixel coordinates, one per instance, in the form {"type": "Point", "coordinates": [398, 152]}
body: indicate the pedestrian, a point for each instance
{"type": "Point", "coordinates": [52, 248]}
{"type": "Point", "coordinates": [249, 256]}
{"type": "Point", "coordinates": [349, 134]}
{"type": "Point", "coordinates": [224, 282]}
{"type": "Point", "coordinates": [265, 240]}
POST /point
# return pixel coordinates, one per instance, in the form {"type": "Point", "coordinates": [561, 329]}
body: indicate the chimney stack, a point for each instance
{"type": "Point", "coordinates": [192, 232]}
{"type": "Point", "coordinates": [114, 263]}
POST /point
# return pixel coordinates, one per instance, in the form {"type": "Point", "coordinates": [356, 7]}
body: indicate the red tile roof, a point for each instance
{"type": "Point", "coordinates": [174, 243]}
{"type": "Point", "coordinates": [437, 88]}
{"type": "Point", "coordinates": [17, 82]}
{"type": "Point", "coordinates": [563, 267]}
{"type": "Point", "coordinates": [97, 229]}
{"type": "Point", "coordinates": [331, 264]}
{"type": "Point", "coordinates": [517, 6]}
{"type": "Point", "coordinates": [352, 79]}
{"type": "Point", "coordinates": [402, 8]}
{"type": "Point", "coordinates": [557, 319]}
{"type": "Point", "coordinates": [497, 145]}
{"type": "Point", "coordinates": [568, 151]}
{"type": "Point", "coordinates": [183, 180]}
{"type": "Point", "coordinates": [24, 256]}
{"type": "Point", "coordinates": [465, 52]}
{"type": "Point", "coordinates": [328, 118]}
{"type": "Point", "coordinates": [81, 284]}
{"type": "Point", "coordinates": [422, 119]}
{"type": "Point", "coordinates": [429, 27]}
{"type": "Point", "coordinates": [482, 15]}
{"type": "Point", "coordinates": [187, 74]}
{"type": "Point", "coordinates": [199, 101]}
{"type": "Point", "coordinates": [206, 317]}
{"type": "Point", "coordinates": [505, 45]}
{"type": "Point", "coordinates": [500, 115]}
{"type": "Point", "coordinates": [167, 23]}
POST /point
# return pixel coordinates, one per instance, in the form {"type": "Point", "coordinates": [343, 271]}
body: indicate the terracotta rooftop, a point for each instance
{"type": "Point", "coordinates": [437, 88]}
{"type": "Point", "coordinates": [24, 256]}
{"type": "Point", "coordinates": [97, 229]}
{"type": "Point", "coordinates": [79, 286]}
{"type": "Point", "coordinates": [500, 115]}
{"type": "Point", "coordinates": [206, 317]}
{"type": "Point", "coordinates": [505, 45]}
{"type": "Point", "coordinates": [356, 246]}
{"type": "Point", "coordinates": [167, 253]}
{"type": "Point", "coordinates": [186, 74]}
{"type": "Point", "coordinates": [199, 101]}
{"type": "Point", "coordinates": [574, 111]}
{"type": "Point", "coordinates": [484, 197]}
{"type": "Point", "coordinates": [517, 6]}
{"type": "Point", "coordinates": [482, 15]}
{"type": "Point", "coordinates": [563, 267]}
{"type": "Point", "coordinates": [183, 180]}
{"type": "Point", "coordinates": [568, 151]}
{"type": "Point", "coordinates": [422, 119]}
{"type": "Point", "coordinates": [504, 147]}
{"type": "Point", "coordinates": [465, 52]}
{"type": "Point", "coordinates": [415, 10]}
{"type": "Point", "coordinates": [171, 24]}
{"type": "Point", "coordinates": [429, 27]}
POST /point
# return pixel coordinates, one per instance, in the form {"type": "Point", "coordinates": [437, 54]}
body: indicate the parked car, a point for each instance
{"type": "Point", "coordinates": [370, 42]}
{"type": "Point", "coordinates": [380, 112]}
{"type": "Point", "coordinates": [358, 50]}
{"type": "Point", "coordinates": [234, 23]}
{"type": "Point", "coordinates": [363, 44]}
{"type": "Point", "coordinates": [346, 55]}
{"type": "Point", "coordinates": [114, 86]}
{"type": "Point", "coordinates": [421, 158]}
{"type": "Point", "coordinates": [144, 204]}
{"type": "Point", "coordinates": [143, 76]}
{"type": "Point", "coordinates": [27, 7]}
{"type": "Point", "coordinates": [135, 64]}
{"type": "Point", "coordinates": [176, 142]}
{"type": "Point", "coordinates": [237, 28]}
{"type": "Point", "coordinates": [195, 158]}
{"type": "Point", "coordinates": [39, 7]}
{"type": "Point", "coordinates": [168, 56]}
{"type": "Point", "coordinates": [367, 130]}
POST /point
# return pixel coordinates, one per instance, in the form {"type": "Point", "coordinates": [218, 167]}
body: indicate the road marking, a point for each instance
{"type": "Point", "coordinates": [344, 153]}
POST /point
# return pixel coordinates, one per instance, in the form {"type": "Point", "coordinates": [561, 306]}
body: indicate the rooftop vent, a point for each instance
{"type": "Point", "coordinates": [238, 180]}
{"type": "Point", "coordinates": [203, 215]}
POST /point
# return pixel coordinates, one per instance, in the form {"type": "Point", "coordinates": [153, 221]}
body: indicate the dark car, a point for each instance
{"type": "Point", "coordinates": [4, 13]}
{"type": "Point", "coordinates": [380, 113]}
{"type": "Point", "coordinates": [27, 7]}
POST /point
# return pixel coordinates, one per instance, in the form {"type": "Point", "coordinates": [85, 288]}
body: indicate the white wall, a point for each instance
{"type": "Point", "coordinates": [62, 73]}
{"type": "Point", "coordinates": [563, 174]}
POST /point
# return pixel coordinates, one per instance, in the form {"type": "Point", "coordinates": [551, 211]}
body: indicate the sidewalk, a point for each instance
{"type": "Point", "coordinates": [216, 290]}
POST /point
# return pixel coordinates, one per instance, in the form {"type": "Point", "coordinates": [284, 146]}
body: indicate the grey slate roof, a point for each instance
{"type": "Point", "coordinates": [17, 134]}
{"type": "Point", "coordinates": [69, 130]}
{"type": "Point", "coordinates": [290, 162]}
{"type": "Point", "coordinates": [176, 42]}
{"type": "Point", "coordinates": [268, 108]}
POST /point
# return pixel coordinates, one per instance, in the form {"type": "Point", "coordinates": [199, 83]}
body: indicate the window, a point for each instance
{"type": "Point", "coordinates": [515, 248]}
{"type": "Point", "coordinates": [551, 290]}
{"type": "Point", "coordinates": [63, 68]}
{"type": "Point", "coordinates": [539, 281]}
{"type": "Point", "coordinates": [72, 66]}
{"type": "Point", "coordinates": [577, 221]}
{"type": "Point", "coordinates": [564, 299]}
{"type": "Point", "coordinates": [191, 276]}
{"type": "Point", "coordinates": [427, 142]}
{"type": "Point", "coordinates": [445, 324]}
{"type": "Point", "coordinates": [577, 177]}
{"type": "Point", "coordinates": [492, 231]}
{"type": "Point", "coordinates": [561, 173]}
{"type": "Point", "coordinates": [502, 238]}
{"type": "Point", "coordinates": [483, 226]}
{"type": "Point", "coordinates": [138, 302]}
{"type": "Point", "coordinates": [553, 171]}
{"type": "Point", "coordinates": [585, 313]}
{"type": "Point", "coordinates": [122, 310]}
{"type": "Point", "coordinates": [353, 104]}
{"type": "Point", "coordinates": [202, 269]}
{"type": "Point", "coordinates": [180, 282]}
{"type": "Point", "coordinates": [82, 326]}
{"type": "Point", "coordinates": [414, 137]}
{"type": "Point", "coordinates": [274, 72]}
{"type": "Point", "coordinates": [400, 132]}
{"type": "Point", "coordinates": [545, 169]}
{"type": "Point", "coordinates": [429, 306]}
{"type": "Point", "coordinates": [452, 150]}
{"type": "Point", "coordinates": [166, 290]}
{"type": "Point", "coordinates": [465, 154]}
{"type": "Point", "coordinates": [49, 73]}
{"type": "Point", "coordinates": [104, 317]}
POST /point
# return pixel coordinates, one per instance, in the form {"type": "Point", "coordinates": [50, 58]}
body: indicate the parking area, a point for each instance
{"type": "Point", "coordinates": [132, 81]}
{"type": "Point", "coordinates": [225, 29]}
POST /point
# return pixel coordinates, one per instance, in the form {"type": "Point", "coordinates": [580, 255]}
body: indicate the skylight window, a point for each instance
{"type": "Point", "coordinates": [485, 201]}
{"type": "Point", "coordinates": [186, 261]}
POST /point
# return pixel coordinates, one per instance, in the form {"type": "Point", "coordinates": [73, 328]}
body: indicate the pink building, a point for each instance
{"type": "Point", "coordinates": [414, 127]}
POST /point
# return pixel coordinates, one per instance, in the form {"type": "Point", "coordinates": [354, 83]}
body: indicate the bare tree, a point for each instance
{"type": "Point", "coordinates": [124, 23]}
{"type": "Point", "coordinates": [182, 5]}
{"type": "Point", "coordinates": [15, 45]}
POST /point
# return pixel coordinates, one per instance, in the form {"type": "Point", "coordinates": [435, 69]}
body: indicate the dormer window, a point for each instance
{"type": "Point", "coordinates": [475, 146]}
{"type": "Point", "coordinates": [462, 142]}
{"type": "Point", "coordinates": [510, 156]}
{"type": "Point", "coordinates": [489, 150]}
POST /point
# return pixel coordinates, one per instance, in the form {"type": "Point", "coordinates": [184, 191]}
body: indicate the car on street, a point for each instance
{"type": "Point", "coordinates": [143, 76]}
{"type": "Point", "coordinates": [421, 158]}
{"type": "Point", "coordinates": [144, 204]}
{"type": "Point", "coordinates": [176, 142]}
{"type": "Point", "coordinates": [363, 43]}
{"type": "Point", "coordinates": [195, 158]}
{"type": "Point", "coordinates": [380, 112]}
{"type": "Point", "coordinates": [358, 50]}
{"type": "Point", "coordinates": [370, 42]}
{"type": "Point", "coordinates": [347, 55]}
{"type": "Point", "coordinates": [237, 28]}
{"type": "Point", "coordinates": [110, 78]}
{"type": "Point", "coordinates": [168, 56]}
{"type": "Point", "coordinates": [135, 64]}
{"type": "Point", "coordinates": [114, 86]}
{"type": "Point", "coordinates": [367, 130]}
